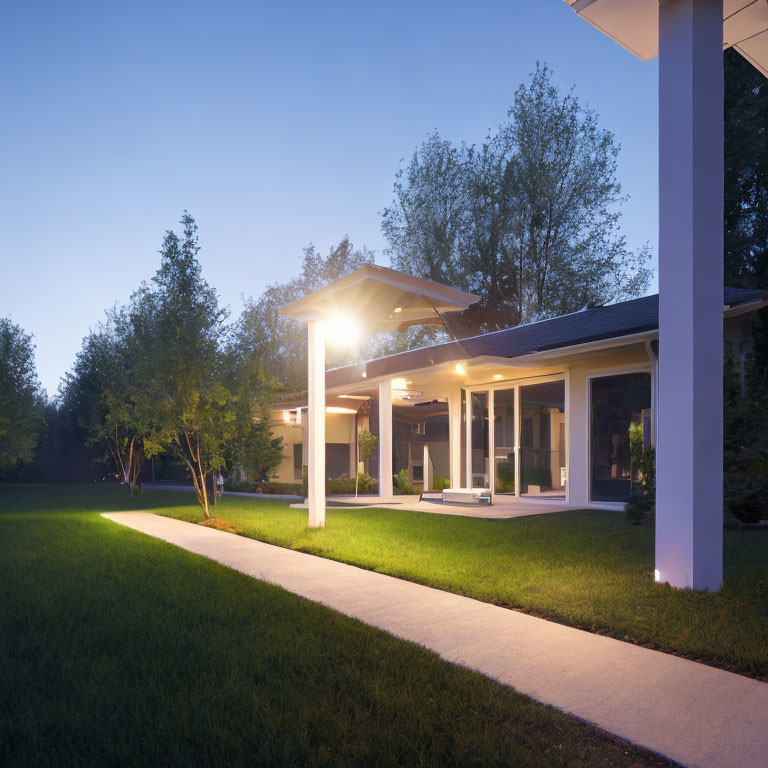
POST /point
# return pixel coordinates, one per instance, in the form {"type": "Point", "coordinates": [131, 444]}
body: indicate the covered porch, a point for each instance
{"type": "Point", "coordinates": [541, 432]}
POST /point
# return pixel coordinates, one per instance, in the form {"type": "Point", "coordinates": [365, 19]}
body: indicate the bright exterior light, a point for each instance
{"type": "Point", "coordinates": [399, 384]}
{"type": "Point", "coordinates": [657, 575]}
{"type": "Point", "coordinates": [365, 375]}
{"type": "Point", "coordinates": [498, 376]}
{"type": "Point", "coordinates": [398, 309]}
{"type": "Point", "coordinates": [339, 409]}
{"type": "Point", "coordinates": [460, 369]}
{"type": "Point", "coordinates": [342, 330]}
{"type": "Point", "coordinates": [286, 416]}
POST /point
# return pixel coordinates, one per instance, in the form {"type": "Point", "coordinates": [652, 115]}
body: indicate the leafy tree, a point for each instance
{"type": "Point", "coordinates": [367, 446]}
{"type": "Point", "coordinates": [746, 174]}
{"type": "Point", "coordinates": [746, 265]}
{"type": "Point", "coordinates": [183, 404]}
{"type": "Point", "coordinates": [529, 221]}
{"type": "Point", "coordinates": [425, 224]}
{"type": "Point", "coordinates": [21, 398]}
{"type": "Point", "coordinates": [252, 450]}
{"type": "Point", "coordinates": [99, 390]}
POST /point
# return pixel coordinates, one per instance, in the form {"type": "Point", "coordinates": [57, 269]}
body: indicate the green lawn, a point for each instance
{"type": "Point", "coordinates": [120, 649]}
{"type": "Point", "coordinates": [589, 569]}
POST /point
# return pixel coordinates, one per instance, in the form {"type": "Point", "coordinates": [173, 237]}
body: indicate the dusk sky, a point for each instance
{"type": "Point", "coordinates": [275, 124]}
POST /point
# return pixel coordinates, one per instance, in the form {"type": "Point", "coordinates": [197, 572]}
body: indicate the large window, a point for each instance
{"type": "Point", "coordinates": [617, 403]}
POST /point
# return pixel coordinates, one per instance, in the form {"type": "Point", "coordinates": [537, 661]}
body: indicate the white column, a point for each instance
{"type": "Point", "coordinates": [316, 425]}
{"type": "Point", "coordinates": [689, 521]}
{"type": "Point", "coordinates": [454, 436]}
{"type": "Point", "coordinates": [577, 436]}
{"type": "Point", "coordinates": [385, 439]}
{"type": "Point", "coordinates": [427, 472]}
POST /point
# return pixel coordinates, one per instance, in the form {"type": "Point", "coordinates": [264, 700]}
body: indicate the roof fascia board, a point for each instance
{"type": "Point", "coordinates": [742, 309]}
{"type": "Point", "coordinates": [590, 346]}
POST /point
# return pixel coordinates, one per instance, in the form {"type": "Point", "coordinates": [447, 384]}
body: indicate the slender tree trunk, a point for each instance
{"type": "Point", "coordinates": [198, 475]}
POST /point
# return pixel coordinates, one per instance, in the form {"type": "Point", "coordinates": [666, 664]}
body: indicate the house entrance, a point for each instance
{"type": "Point", "coordinates": [516, 441]}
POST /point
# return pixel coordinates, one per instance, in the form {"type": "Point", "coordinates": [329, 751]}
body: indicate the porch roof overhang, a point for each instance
{"type": "Point", "coordinates": [634, 24]}
{"type": "Point", "coordinates": [627, 322]}
{"type": "Point", "coordinates": [381, 299]}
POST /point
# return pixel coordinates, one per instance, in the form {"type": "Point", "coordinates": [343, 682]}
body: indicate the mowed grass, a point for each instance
{"type": "Point", "coordinates": [120, 649]}
{"type": "Point", "coordinates": [589, 569]}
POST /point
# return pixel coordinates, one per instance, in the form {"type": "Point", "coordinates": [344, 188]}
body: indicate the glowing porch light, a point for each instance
{"type": "Point", "coordinates": [342, 330]}
{"type": "Point", "coordinates": [339, 409]}
{"type": "Point", "coordinates": [498, 376]}
{"type": "Point", "coordinates": [399, 384]}
{"type": "Point", "coordinates": [398, 310]}
{"type": "Point", "coordinates": [460, 369]}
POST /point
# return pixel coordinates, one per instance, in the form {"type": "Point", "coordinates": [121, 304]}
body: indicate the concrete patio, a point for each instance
{"type": "Point", "coordinates": [503, 506]}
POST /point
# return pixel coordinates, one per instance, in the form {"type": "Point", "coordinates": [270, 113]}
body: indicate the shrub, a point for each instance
{"type": "Point", "coordinates": [505, 477]}
{"type": "Point", "coordinates": [241, 486]}
{"type": "Point", "coordinates": [346, 485]}
{"type": "Point", "coordinates": [402, 485]}
{"type": "Point", "coordinates": [747, 507]}
{"type": "Point", "coordinates": [441, 483]}
{"type": "Point", "coordinates": [638, 507]}
{"type": "Point", "coordinates": [283, 489]}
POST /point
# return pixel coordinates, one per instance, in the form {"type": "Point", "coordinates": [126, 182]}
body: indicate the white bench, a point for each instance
{"type": "Point", "coordinates": [466, 496]}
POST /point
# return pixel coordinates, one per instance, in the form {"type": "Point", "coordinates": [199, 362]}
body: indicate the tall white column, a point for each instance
{"type": "Point", "coordinates": [427, 471]}
{"type": "Point", "coordinates": [689, 522]}
{"type": "Point", "coordinates": [316, 425]}
{"type": "Point", "coordinates": [385, 439]}
{"type": "Point", "coordinates": [454, 436]}
{"type": "Point", "coordinates": [577, 435]}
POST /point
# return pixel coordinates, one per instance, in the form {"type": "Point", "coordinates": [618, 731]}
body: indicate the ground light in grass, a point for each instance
{"type": "Point", "coordinates": [589, 569]}
{"type": "Point", "coordinates": [119, 649]}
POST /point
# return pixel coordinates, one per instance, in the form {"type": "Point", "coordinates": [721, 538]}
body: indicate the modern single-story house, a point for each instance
{"type": "Point", "coordinates": [538, 411]}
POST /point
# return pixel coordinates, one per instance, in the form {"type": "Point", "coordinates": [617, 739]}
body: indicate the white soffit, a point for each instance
{"type": "Point", "coordinates": [634, 24]}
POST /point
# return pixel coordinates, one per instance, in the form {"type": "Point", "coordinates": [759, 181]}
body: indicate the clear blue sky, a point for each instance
{"type": "Point", "coordinates": [275, 124]}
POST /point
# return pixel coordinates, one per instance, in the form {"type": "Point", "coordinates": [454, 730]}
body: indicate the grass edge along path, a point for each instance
{"type": "Point", "coordinates": [589, 569]}
{"type": "Point", "coordinates": [122, 649]}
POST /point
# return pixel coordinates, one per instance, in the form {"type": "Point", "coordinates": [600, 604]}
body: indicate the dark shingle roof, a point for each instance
{"type": "Point", "coordinates": [613, 321]}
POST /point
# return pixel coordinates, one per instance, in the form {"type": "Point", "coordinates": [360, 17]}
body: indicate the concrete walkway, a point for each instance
{"type": "Point", "coordinates": [692, 713]}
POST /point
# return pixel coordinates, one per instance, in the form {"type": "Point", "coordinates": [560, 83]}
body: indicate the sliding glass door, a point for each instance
{"type": "Point", "coordinates": [542, 439]}
{"type": "Point", "coordinates": [516, 439]}
{"type": "Point", "coordinates": [479, 466]}
{"type": "Point", "coordinates": [504, 427]}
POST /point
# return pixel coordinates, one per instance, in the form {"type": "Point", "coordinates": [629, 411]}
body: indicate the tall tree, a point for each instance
{"type": "Point", "coordinates": [21, 398]}
{"type": "Point", "coordinates": [746, 174]}
{"type": "Point", "coordinates": [184, 404]}
{"type": "Point", "coordinates": [529, 221]}
{"type": "Point", "coordinates": [425, 223]}
{"type": "Point", "coordinates": [99, 391]}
